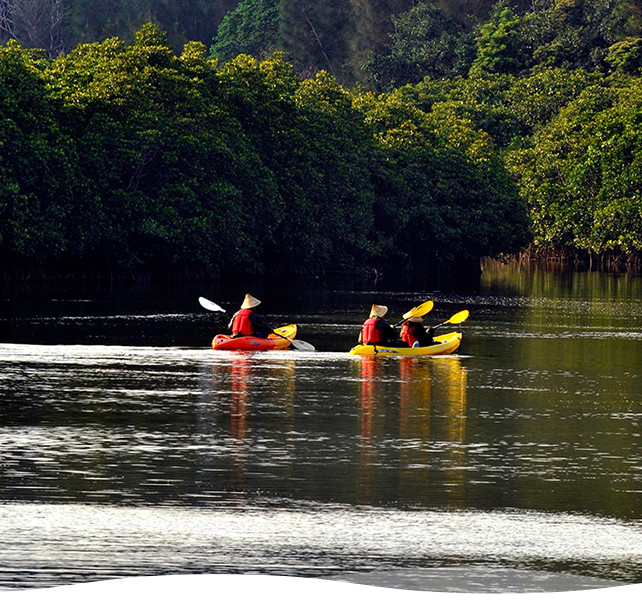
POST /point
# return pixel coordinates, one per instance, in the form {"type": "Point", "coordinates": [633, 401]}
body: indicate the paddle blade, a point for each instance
{"type": "Point", "coordinates": [209, 305]}
{"type": "Point", "coordinates": [419, 311]}
{"type": "Point", "coordinates": [301, 345]}
{"type": "Point", "coordinates": [459, 317]}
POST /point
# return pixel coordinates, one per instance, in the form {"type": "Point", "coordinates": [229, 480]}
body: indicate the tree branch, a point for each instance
{"type": "Point", "coordinates": [317, 38]}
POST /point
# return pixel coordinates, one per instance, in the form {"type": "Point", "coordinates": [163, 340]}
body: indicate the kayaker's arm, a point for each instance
{"type": "Point", "coordinates": [430, 332]}
{"type": "Point", "coordinates": [259, 324]}
{"type": "Point", "coordinates": [387, 330]}
{"type": "Point", "coordinates": [389, 333]}
{"type": "Point", "coordinates": [424, 336]}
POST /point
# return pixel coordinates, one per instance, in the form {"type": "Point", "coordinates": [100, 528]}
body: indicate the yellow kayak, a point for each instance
{"type": "Point", "coordinates": [444, 344]}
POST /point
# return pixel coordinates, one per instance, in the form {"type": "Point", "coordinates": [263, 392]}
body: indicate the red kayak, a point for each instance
{"type": "Point", "coordinates": [254, 343]}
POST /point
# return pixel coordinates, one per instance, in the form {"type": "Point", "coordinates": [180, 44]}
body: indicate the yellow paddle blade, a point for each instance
{"type": "Point", "coordinates": [419, 311]}
{"type": "Point", "coordinates": [459, 317]}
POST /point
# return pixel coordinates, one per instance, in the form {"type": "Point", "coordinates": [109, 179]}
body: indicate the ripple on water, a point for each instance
{"type": "Point", "coordinates": [52, 543]}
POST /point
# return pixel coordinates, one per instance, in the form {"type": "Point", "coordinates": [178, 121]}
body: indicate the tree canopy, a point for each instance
{"type": "Point", "coordinates": [323, 135]}
{"type": "Point", "coordinates": [127, 155]}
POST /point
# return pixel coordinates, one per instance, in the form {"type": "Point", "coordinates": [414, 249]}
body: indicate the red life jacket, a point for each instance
{"type": "Point", "coordinates": [369, 332]}
{"type": "Point", "coordinates": [408, 333]}
{"type": "Point", "coordinates": [242, 324]}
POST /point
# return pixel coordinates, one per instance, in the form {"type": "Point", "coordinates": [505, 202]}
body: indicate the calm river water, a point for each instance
{"type": "Point", "coordinates": [129, 447]}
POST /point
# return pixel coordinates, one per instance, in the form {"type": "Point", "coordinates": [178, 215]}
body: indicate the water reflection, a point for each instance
{"type": "Point", "coordinates": [529, 279]}
{"type": "Point", "coordinates": [247, 392]}
{"type": "Point", "coordinates": [240, 381]}
{"type": "Point", "coordinates": [523, 452]}
{"type": "Point", "coordinates": [427, 399]}
{"type": "Point", "coordinates": [370, 379]}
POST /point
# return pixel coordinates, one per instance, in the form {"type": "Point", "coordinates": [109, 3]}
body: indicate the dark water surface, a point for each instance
{"type": "Point", "coordinates": [130, 448]}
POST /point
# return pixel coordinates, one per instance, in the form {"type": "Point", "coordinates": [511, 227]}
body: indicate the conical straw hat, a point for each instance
{"type": "Point", "coordinates": [250, 302]}
{"type": "Point", "coordinates": [378, 310]}
{"type": "Point", "coordinates": [416, 319]}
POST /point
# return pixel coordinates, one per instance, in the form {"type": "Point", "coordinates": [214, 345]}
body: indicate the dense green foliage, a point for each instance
{"type": "Point", "coordinates": [582, 177]}
{"type": "Point", "coordinates": [472, 124]}
{"type": "Point", "coordinates": [251, 28]}
{"type": "Point", "coordinates": [570, 139]}
{"type": "Point", "coordinates": [425, 42]}
{"type": "Point", "coordinates": [385, 44]}
{"type": "Point", "coordinates": [124, 155]}
{"type": "Point", "coordinates": [557, 88]}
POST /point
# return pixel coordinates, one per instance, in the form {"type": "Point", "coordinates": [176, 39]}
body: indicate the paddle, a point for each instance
{"type": "Point", "coordinates": [457, 318]}
{"type": "Point", "coordinates": [298, 344]}
{"type": "Point", "coordinates": [418, 311]}
{"type": "Point", "coordinates": [209, 305]}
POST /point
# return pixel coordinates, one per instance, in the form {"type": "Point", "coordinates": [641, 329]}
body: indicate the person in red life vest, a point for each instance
{"type": "Point", "coordinates": [414, 333]}
{"type": "Point", "coordinates": [246, 321]}
{"type": "Point", "coordinates": [376, 330]}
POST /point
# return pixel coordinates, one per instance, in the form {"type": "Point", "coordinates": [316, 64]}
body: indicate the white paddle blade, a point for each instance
{"type": "Point", "coordinates": [209, 305]}
{"type": "Point", "coordinates": [301, 345]}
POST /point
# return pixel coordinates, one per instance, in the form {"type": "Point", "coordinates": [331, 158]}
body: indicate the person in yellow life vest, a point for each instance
{"type": "Point", "coordinates": [414, 333]}
{"type": "Point", "coordinates": [246, 321]}
{"type": "Point", "coordinates": [376, 330]}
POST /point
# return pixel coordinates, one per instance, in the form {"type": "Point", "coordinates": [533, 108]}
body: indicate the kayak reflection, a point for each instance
{"type": "Point", "coordinates": [252, 385]}
{"type": "Point", "coordinates": [354, 430]}
{"type": "Point", "coordinates": [430, 397]}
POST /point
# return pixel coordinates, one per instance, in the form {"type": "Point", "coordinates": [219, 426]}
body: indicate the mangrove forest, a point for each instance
{"type": "Point", "coordinates": [445, 139]}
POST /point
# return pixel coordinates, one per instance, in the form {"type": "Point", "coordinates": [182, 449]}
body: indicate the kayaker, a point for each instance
{"type": "Point", "coordinates": [377, 331]}
{"type": "Point", "coordinates": [246, 321]}
{"type": "Point", "coordinates": [414, 333]}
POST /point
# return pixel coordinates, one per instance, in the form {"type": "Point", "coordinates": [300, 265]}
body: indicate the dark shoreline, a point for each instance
{"type": "Point", "coordinates": [148, 275]}
{"type": "Point", "coordinates": [461, 272]}
{"type": "Point", "coordinates": [581, 260]}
